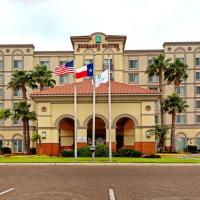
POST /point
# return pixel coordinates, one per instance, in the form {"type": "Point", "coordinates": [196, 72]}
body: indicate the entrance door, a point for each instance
{"type": "Point", "coordinates": [17, 145]}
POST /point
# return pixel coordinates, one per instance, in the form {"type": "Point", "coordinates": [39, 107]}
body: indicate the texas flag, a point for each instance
{"type": "Point", "coordinates": [84, 71]}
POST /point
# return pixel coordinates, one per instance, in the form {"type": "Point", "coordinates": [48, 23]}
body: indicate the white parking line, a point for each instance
{"type": "Point", "coordinates": [111, 194]}
{"type": "Point", "coordinates": [6, 191]}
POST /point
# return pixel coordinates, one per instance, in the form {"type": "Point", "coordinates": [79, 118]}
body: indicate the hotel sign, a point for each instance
{"type": "Point", "coordinates": [96, 46]}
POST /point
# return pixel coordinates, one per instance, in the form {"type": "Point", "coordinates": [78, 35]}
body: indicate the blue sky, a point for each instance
{"type": "Point", "coordinates": [48, 24]}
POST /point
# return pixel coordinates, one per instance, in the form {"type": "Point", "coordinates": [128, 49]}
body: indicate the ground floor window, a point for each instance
{"type": "Point", "coordinates": [181, 143]}
{"type": "Point", "coordinates": [198, 142]}
{"type": "Point", "coordinates": [1, 142]}
{"type": "Point", "coordinates": [17, 144]}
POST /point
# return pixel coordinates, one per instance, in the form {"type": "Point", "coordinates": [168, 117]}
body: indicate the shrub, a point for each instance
{"type": "Point", "coordinates": [192, 149]}
{"type": "Point", "coordinates": [67, 153]}
{"type": "Point", "coordinates": [152, 156]}
{"type": "Point", "coordinates": [84, 152]}
{"type": "Point", "coordinates": [6, 150]}
{"type": "Point", "coordinates": [101, 150]}
{"type": "Point", "coordinates": [33, 150]}
{"type": "Point", "coordinates": [126, 152]}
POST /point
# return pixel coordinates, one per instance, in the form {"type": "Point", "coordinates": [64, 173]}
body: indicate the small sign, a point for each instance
{"type": "Point", "coordinates": [98, 39]}
{"type": "Point", "coordinates": [82, 139]}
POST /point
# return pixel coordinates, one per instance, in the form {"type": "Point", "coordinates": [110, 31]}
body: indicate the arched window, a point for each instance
{"type": "Point", "coordinates": [181, 142]}
{"type": "Point", "coordinates": [1, 141]}
{"type": "Point", "coordinates": [17, 144]}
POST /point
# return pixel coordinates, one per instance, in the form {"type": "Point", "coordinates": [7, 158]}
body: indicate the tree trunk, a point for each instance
{"type": "Point", "coordinates": [24, 93]}
{"type": "Point", "coordinates": [161, 97]}
{"type": "Point", "coordinates": [24, 136]}
{"type": "Point", "coordinates": [28, 136]}
{"type": "Point", "coordinates": [162, 143]}
{"type": "Point", "coordinates": [173, 146]}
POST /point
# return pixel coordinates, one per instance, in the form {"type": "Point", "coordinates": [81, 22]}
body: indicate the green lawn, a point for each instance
{"type": "Point", "coordinates": [47, 159]}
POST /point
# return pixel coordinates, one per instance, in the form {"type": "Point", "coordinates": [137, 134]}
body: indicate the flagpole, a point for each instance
{"type": "Point", "coordinates": [94, 111]}
{"type": "Point", "coordinates": [109, 109]}
{"type": "Point", "coordinates": [75, 113]}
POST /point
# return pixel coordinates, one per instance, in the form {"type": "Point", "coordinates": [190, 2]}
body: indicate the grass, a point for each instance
{"type": "Point", "coordinates": [47, 159]}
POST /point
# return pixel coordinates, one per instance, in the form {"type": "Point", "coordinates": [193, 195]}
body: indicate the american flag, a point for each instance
{"type": "Point", "coordinates": [67, 68]}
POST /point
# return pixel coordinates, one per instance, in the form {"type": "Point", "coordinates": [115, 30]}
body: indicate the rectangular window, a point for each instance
{"type": "Point", "coordinates": [150, 62]}
{"type": "Point", "coordinates": [198, 104]}
{"type": "Point", "coordinates": [18, 64]}
{"type": "Point", "coordinates": [1, 79]}
{"type": "Point", "coordinates": [181, 59]}
{"type": "Point", "coordinates": [198, 119]}
{"type": "Point", "coordinates": [1, 92]}
{"type": "Point", "coordinates": [153, 88]}
{"type": "Point", "coordinates": [156, 105]}
{"type": "Point", "coordinates": [106, 64]}
{"type": "Point", "coordinates": [180, 119]}
{"type": "Point", "coordinates": [17, 93]}
{"type": "Point", "coordinates": [64, 79]}
{"type": "Point", "coordinates": [17, 122]}
{"type": "Point", "coordinates": [197, 89]}
{"type": "Point", "coordinates": [133, 78]}
{"type": "Point", "coordinates": [45, 63]}
{"type": "Point", "coordinates": [88, 61]}
{"type": "Point", "coordinates": [1, 64]}
{"type": "Point", "coordinates": [156, 119]}
{"type": "Point", "coordinates": [197, 61]}
{"type": "Point", "coordinates": [133, 64]}
{"type": "Point", "coordinates": [62, 62]}
{"type": "Point", "coordinates": [197, 76]}
{"type": "Point", "coordinates": [180, 90]}
{"type": "Point", "coordinates": [153, 79]}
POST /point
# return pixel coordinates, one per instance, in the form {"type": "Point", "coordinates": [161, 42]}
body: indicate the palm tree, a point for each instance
{"type": "Point", "coordinates": [21, 110]}
{"type": "Point", "coordinates": [20, 80]}
{"type": "Point", "coordinates": [176, 73]}
{"type": "Point", "coordinates": [158, 66]}
{"type": "Point", "coordinates": [43, 77]}
{"type": "Point", "coordinates": [160, 133]}
{"type": "Point", "coordinates": [174, 104]}
{"type": "Point", "coordinates": [37, 138]}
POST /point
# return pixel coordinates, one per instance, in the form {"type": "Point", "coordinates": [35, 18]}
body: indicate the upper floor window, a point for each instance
{"type": "Point", "coordinates": [1, 64]}
{"type": "Point", "coordinates": [150, 61]}
{"type": "Point", "coordinates": [197, 76]}
{"type": "Point", "coordinates": [106, 64]}
{"type": "Point", "coordinates": [133, 64]}
{"type": "Point", "coordinates": [156, 119]}
{"type": "Point", "coordinates": [61, 62]}
{"type": "Point", "coordinates": [180, 119]}
{"type": "Point", "coordinates": [180, 90]}
{"type": "Point", "coordinates": [133, 78]}
{"type": "Point", "coordinates": [197, 62]}
{"type": "Point", "coordinates": [156, 105]}
{"type": "Point", "coordinates": [18, 64]}
{"type": "Point", "coordinates": [1, 79]}
{"type": "Point", "coordinates": [197, 89]}
{"type": "Point", "coordinates": [181, 59]}
{"type": "Point", "coordinates": [17, 93]}
{"type": "Point", "coordinates": [198, 119]}
{"type": "Point", "coordinates": [1, 92]}
{"type": "Point", "coordinates": [198, 104]}
{"type": "Point", "coordinates": [64, 79]}
{"type": "Point", "coordinates": [88, 61]}
{"type": "Point", "coordinates": [45, 63]}
{"type": "Point", "coordinates": [153, 79]}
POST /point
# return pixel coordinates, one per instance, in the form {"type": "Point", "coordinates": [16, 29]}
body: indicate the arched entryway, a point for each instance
{"type": "Point", "coordinates": [17, 143]}
{"type": "Point", "coordinates": [181, 142]}
{"type": "Point", "coordinates": [124, 132]}
{"type": "Point", "coordinates": [100, 131]}
{"type": "Point", "coordinates": [66, 133]}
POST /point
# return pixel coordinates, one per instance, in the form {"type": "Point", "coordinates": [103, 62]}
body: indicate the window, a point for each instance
{"type": "Point", "coordinates": [150, 62]}
{"type": "Point", "coordinates": [198, 61]}
{"type": "Point", "coordinates": [197, 76]}
{"type": "Point", "coordinates": [1, 79]}
{"type": "Point", "coordinates": [18, 64]}
{"type": "Point", "coordinates": [62, 62]}
{"type": "Point", "coordinates": [64, 79]}
{"type": "Point", "coordinates": [88, 61]}
{"type": "Point", "coordinates": [197, 89]}
{"type": "Point", "coordinates": [153, 88]}
{"type": "Point", "coordinates": [156, 105]}
{"type": "Point", "coordinates": [133, 64]}
{"type": "Point", "coordinates": [198, 119]}
{"type": "Point", "coordinates": [198, 141]}
{"type": "Point", "coordinates": [181, 142]}
{"type": "Point", "coordinates": [1, 142]}
{"type": "Point", "coordinates": [180, 119]}
{"type": "Point", "coordinates": [133, 78]}
{"type": "Point", "coordinates": [180, 90]}
{"type": "Point", "coordinates": [106, 64]}
{"type": "Point", "coordinates": [17, 122]}
{"type": "Point", "coordinates": [1, 92]}
{"type": "Point", "coordinates": [198, 104]}
{"type": "Point", "coordinates": [181, 59]}
{"type": "Point", "coordinates": [17, 144]}
{"type": "Point", "coordinates": [153, 79]}
{"type": "Point", "coordinates": [156, 119]}
{"type": "Point", "coordinates": [45, 63]}
{"type": "Point", "coordinates": [17, 93]}
{"type": "Point", "coordinates": [1, 64]}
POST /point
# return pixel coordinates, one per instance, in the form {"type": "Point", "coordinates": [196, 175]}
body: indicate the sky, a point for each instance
{"type": "Point", "coordinates": [48, 24]}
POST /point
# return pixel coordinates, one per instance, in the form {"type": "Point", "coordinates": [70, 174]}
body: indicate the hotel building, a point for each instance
{"type": "Point", "coordinates": [134, 95]}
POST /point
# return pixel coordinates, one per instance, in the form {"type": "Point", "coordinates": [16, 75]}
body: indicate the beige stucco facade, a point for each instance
{"type": "Point", "coordinates": [24, 57]}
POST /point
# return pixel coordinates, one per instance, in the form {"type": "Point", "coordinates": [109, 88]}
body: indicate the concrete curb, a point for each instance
{"type": "Point", "coordinates": [103, 164]}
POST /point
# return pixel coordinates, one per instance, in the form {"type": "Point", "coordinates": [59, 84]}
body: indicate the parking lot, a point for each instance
{"type": "Point", "coordinates": [94, 182]}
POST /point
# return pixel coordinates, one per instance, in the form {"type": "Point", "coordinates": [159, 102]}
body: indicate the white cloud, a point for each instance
{"type": "Point", "coordinates": [147, 24]}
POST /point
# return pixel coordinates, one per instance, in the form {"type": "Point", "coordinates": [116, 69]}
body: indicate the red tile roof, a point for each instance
{"type": "Point", "coordinates": [85, 88]}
